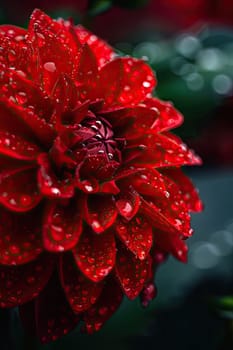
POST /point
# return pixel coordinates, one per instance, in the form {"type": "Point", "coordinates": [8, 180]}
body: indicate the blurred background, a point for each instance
{"type": "Point", "coordinates": [189, 44]}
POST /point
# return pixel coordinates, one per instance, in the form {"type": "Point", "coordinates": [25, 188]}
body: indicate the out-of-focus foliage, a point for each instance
{"type": "Point", "coordinates": [96, 7]}
{"type": "Point", "coordinates": [224, 303]}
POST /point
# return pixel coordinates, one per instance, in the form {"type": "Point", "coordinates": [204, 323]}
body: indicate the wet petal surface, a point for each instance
{"type": "Point", "coordinates": [18, 189]}
{"type": "Point", "coordinates": [81, 293]}
{"type": "Point", "coordinates": [125, 81]}
{"type": "Point", "coordinates": [136, 235]}
{"type": "Point", "coordinates": [132, 272]}
{"type": "Point", "coordinates": [95, 254]}
{"type": "Point", "coordinates": [54, 317]}
{"type": "Point", "coordinates": [102, 51]}
{"type": "Point", "coordinates": [107, 304]}
{"type": "Point", "coordinates": [20, 284]}
{"type": "Point", "coordinates": [20, 237]}
{"type": "Point", "coordinates": [62, 226]}
{"type": "Point", "coordinates": [100, 213]}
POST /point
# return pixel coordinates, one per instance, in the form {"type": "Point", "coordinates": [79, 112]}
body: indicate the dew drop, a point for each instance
{"type": "Point", "coordinates": [146, 84]}
{"type": "Point", "coordinates": [7, 142]}
{"type": "Point", "coordinates": [125, 208]}
{"type": "Point", "coordinates": [55, 191]}
{"type": "Point", "coordinates": [21, 97]}
{"type": "Point", "coordinates": [25, 200]}
{"type": "Point", "coordinates": [125, 281]}
{"type": "Point", "coordinates": [60, 248]}
{"type": "Point", "coordinates": [96, 225]}
{"type": "Point", "coordinates": [31, 280]}
{"type": "Point", "coordinates": [14, 249]}
{"type": "Point", "coordinates": [57, 232]}
{"type": "Point", "coordinates": [103, 311]}
{"type": "Point", "coordinates": [88, 188]}
{"type": "Point", "coordinates": [12, 56]}
{"type": "Point", "coordinates": [40, 39]}
{"type": "Point", "coordinates": [90, 260]}
{"type": "Point", "coordinates": [142, 255]}
{"type": "Point", "coordinates": [50, 67]}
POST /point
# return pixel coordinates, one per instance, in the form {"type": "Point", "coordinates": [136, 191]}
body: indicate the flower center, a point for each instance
{"type": "Point", "coordinates": [87, 144]}
{"type": "Point", "coordinates": [102, 140]}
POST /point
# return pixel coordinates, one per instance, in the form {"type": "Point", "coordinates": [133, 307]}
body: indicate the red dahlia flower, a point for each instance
{"type": "Point", "coordinates": [92, 193]}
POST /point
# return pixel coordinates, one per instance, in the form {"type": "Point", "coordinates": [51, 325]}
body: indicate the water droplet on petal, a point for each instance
{"type": "Point", "coordinates": [146, 84]}
{"type": "Point", "coordinates": [14, 249]}
{"type": "Point", "coordinates": [12, 56]}
{"type": "Point", "coordinates": [103, 311]}
{"type": "Point", "coordinates": [88, 188]}
{"type": "Point", "coordinates": [50, 67]}
{"type": "Point", "coordinates": [124, 207]}
{"type": "Point", "coordinates": [31, 280]}
{"type": "Point", "coordinates": [21, 97]}
{"type": "Point", "coordinates": [57, 232]}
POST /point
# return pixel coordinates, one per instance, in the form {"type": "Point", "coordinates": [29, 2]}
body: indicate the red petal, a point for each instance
{"type": "Point", "coordinates": [55, 49]}
{"type": "Point", "coordinates": [19, 284]}
{"type": "Point", "coordinates": [147, 182]}
{"type": "Point", "coordinates": [103, 167]}
{"type": "Point", "coordinates": [102, 51]}
{"type": "Point", "coordinates": [62, 226]}
{"type": "Point", "coordinates": [109, 187]}
{"type": "Point", "coordinates": [20, 237]}
{"type": "Point", "coordinates": [87, 73]}
{"type": "Point", "coordinates": [64, 94]}
{"type": "Point", "coordinates": [161, 150]}
{"type": "Point", "coordinates": [174, 208]}
{"type": "Point", "coordinates": [132, 122]}
{"type": "Point", "coordinates": [165, 198]}
{"type": "Point", "coordinates": [54, 317]}
{"type": "Point", "coordinates": [12, 31]}
{"type": "Point", "coordinates": [156, 217]}
{"type": "Point", "coordinates": [168, 117]}
{"type": "Point", "coordinates": [62, 29]}
{"type": "Point", "coordinates": [124, 172]}
{"type": "Point", "coordinates": [35, 126]}
{"type": "Point", "coordinates": [190, 194]}
{"type": "Point", "coordinates": [25, 93]}
{"type": "Point", "coordinates": [107, 304]}
{"type": "Point", "coordinates": [131, 272]}
{"type": "Point", "coordinates": [100, 212]}
{"type": "Point", "coordinates": [171, 243]}
{"type": "Point", "coordinates": [125, 81]}
{"type": "Point", "coordinates": [16, 147]}
{"type": "Point", "coordinates": [128, 203]}
{"type": "Point", "coordinates": [80, 292]}
{"type": "Point", "coordinates": [89, 185]}
{"type": "Point", "coordinates": [148, 293]}
{"type": "Point", "coordinates": [10, 122]}
{"type": "Point", "coordinates": [95, 255]}
{"type": "Point", "coordinates": [48, 183]}
{"type": "Point", "coordinates": [18, 189]}
{"type": "Point", "coordinates": [14, 51]}
{"type": "Point", "coordinates": [136, 235]}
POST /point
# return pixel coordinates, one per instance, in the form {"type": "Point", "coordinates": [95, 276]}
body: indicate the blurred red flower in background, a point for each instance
{"type": "Point", "coordinates": [162, 15]}
{"type": "Point", "coordinates": [188, 12]}
{"type": "Point", "coordinates": [215, 141]}
{"type": "Point", "coordinates": [168, 15]}
{"type": "Point", "coordinates": [92, 193]}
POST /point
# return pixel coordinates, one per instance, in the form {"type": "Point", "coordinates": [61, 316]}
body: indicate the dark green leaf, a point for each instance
{"type": "Point", "coordinates": [96, 7]}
